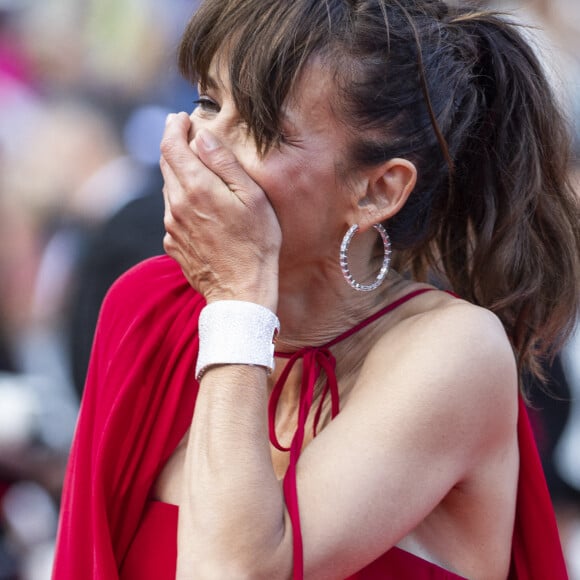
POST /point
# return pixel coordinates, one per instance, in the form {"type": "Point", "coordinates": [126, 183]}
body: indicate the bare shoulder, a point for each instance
{"type": "Point", "coordinates": [425, 446]}
{"type": "Point", "coordinates": [450, 366]}
{"type": "Point", "coordinates": [450, 337]}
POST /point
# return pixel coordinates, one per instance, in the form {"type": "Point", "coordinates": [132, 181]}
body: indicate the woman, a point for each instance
{"type": "Point", "coordinates": [385, 437]}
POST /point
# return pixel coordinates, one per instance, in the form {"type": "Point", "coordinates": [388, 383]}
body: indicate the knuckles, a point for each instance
{"type": "Point", "coordinates": [223, 162]}
{"type": "Point", "coordinates": [168, 223]}
{"type": "Point", "coordinates": [168, 147]}
{"type": "Point", "coordinates": [169, 245]}
{"type": "Point", "coordinates": [176, 156]}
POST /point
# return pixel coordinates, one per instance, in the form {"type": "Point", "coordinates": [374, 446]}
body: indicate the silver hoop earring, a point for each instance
{"type": "Point", "coordinates": [344, 259]}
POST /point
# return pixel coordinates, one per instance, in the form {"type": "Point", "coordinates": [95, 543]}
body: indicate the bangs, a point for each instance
{"type": "Point", "coordinates": [266, 44]}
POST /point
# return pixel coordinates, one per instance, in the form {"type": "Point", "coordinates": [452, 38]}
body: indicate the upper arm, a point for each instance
{"type": "Point", "coordinates": [432, 400]}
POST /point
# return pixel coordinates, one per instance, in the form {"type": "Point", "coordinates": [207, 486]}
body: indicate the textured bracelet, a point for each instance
{"type": "Point", "coordinates": [236, 332]}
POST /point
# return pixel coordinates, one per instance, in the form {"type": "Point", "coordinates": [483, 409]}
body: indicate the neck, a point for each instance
{"type": "Point", "coordinates": [320, 313]}
{"type": "Point", "coordinates": [316, 309]}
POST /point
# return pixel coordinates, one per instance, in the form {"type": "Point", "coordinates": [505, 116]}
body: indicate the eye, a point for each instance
{"type": "Point", "coordinates": [288, 134]}
{"type": "Point", "coordinates": [289, 138]}
{"type": "Point", "coordinates": [206, 105]}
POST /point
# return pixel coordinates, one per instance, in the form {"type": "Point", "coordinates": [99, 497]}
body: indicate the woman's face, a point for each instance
{"type": "Point", "coordinates": [303, 177]}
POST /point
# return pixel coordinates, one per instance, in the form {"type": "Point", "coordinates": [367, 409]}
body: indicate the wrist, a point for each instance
{"type": "Point", "coordinates": [236, 332]}
{"type": "Point", "coordinates": [262, 292]}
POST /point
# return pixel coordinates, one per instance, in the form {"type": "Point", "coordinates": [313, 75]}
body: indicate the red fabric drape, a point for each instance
{"type": "Point", "coordinates": [138, 403]}
{"type": "Point", "coordinates": [536, 549]}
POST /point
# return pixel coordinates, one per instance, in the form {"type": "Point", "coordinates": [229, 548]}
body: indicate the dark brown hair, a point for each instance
{"type": "Point", "coordinates": [459, 92]}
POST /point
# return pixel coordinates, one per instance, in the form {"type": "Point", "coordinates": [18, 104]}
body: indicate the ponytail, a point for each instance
{"type": "Point", "coordinates": [509, 235]}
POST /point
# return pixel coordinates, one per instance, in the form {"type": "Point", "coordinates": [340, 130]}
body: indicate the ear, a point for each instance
{"type": "Point", "coordinates": [388, 187]}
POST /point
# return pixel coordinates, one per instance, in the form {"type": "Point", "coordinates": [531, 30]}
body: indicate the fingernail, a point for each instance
{"type": "Point", "coordinates": [208, 140]}
{"type": "Point", "coordinates": [169, 118]}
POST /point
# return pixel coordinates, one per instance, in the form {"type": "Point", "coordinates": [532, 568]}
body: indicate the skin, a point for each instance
{"type": "Point", "coordinates": [425, 446]}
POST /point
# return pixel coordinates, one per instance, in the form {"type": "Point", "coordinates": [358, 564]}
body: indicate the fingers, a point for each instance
{"type": "Point", "coordinates": [220, 226]}
{"type": "Point", "coordinates": [221, 161]}
{"type": "Point", "coordinates": [179, 164]}
{"type": "Point", "coordinates": [174, 144]}
{"type": "Point", "coordinates": [172, 194]}
{"type": "Point", "coordinates": [190, 188]}
{"type": "Point", "coordinates": [183, 159]}
{"type": "Point", "coordinates": [184, 171]}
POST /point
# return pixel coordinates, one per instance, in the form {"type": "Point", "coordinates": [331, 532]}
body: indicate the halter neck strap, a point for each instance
{"type": "Point", "coordinates": [315, 359]}
{"type": "Point", "coordinates": [362, 324]}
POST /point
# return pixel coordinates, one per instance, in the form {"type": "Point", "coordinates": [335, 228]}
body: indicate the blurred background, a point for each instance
{"type": "Point", "coordinates": [85, 86]}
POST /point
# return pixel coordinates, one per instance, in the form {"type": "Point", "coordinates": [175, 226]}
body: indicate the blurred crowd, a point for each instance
{"type": "Point", "coordinates": [85, 86]}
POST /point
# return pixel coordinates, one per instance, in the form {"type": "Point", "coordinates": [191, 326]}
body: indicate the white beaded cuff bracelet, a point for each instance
{"type": "Point", "coordinates": [236, 332]}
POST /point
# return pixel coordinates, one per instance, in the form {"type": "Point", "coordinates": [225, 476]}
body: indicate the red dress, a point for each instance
{"type": "Point", "coordinates": [138, 403]}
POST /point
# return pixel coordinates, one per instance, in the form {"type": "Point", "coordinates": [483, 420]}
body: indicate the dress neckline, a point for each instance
{"type": "Point", "coordinates": [360, 325]}
{"type": "Point", "coordinates": [315, 360]}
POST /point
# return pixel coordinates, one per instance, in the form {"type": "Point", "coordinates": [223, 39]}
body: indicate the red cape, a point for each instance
{"type": "Point", "coordinates": [137, 405]}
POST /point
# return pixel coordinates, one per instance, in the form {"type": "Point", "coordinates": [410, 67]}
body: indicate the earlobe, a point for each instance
{"type": "Point", "coordinates": [389, 187]}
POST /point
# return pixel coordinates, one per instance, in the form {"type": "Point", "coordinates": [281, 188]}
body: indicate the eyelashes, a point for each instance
{"type": "Point", "coordinates": [206, 105]}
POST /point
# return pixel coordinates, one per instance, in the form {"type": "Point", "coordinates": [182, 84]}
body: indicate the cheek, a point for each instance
{"type": "Point", "coordinates": [264, 174]}
{"type": "Point", "coordinates": [283, 175]}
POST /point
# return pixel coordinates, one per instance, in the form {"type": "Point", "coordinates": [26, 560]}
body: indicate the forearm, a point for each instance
{"type": "Point", "coordinates": [232, 516]}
